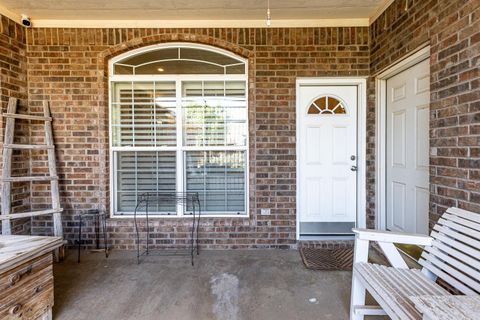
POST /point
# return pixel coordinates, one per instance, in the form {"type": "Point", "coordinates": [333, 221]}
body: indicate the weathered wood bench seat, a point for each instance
{"type": "Point", "coordinates": [452, 253]}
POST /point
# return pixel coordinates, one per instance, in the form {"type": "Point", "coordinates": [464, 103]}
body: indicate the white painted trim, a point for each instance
{"type": "Point", "coordinates": [361, 84]}
{"type": "Point", "coordinates": [381, 130]}
{"type": "Point", "coordinates": [381, 9]}
{"type": "Point", "coordinates": [10, 14]}
{"type": "Point", "coordinates": [179, 150]}
{"type": "Point", "coordinates": [282, 23]}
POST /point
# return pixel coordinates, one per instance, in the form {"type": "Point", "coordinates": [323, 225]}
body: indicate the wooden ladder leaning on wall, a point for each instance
{"type": "Point", "coordinates": [7, 179]}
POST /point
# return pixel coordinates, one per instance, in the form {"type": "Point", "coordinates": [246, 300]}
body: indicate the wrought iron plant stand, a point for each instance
{"type": "Point", "coordinates": [189, 201]}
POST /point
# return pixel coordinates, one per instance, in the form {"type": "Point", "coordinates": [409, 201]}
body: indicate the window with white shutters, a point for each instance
{"type": "Point", "coordinates": [172, 131]}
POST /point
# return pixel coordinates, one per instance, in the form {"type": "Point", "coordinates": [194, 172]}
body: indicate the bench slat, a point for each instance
{"type": "Point", "coordinates": [441, 247]}
{"type": "Point", "coordinates": [456, 235]}
{"type": "Point", "coordinates": [456, 244]}
{"type": "Point", "coordinates": [464, 214]}
{"type": "Point", "coordinates": [445, 261]}
{"type": "Point", "coordinates": [469, 232]}
{"type": "Point", "coordinates": [465, 222]}
{"type": "Point", "coordinates": [440, 269]}
{"type": "Point", "coordinates": [384, 295]}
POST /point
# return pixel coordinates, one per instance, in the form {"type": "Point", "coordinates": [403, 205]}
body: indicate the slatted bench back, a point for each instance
{"type": "Point", "coordinates": [455, 252]}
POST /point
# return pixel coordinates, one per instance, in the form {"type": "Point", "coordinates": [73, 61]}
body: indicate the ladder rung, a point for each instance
{"type": "Point", "coordinates": [28, 146]}
{"type": "Point", "coordinates": [26, 117]}
{"type": "Point", "coordinates": [30, 178]}
{"type": "Point", "coordinates": [29, 214]}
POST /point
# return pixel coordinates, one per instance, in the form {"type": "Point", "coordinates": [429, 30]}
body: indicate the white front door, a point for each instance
{"type": "Point", "coordinates": [407, 147]}
{"type": "Point", "coordinates": [327, 158]}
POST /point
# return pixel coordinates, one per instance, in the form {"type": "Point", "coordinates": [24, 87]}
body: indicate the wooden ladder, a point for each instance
{"type": "Point", "coordinates": [7, 179]}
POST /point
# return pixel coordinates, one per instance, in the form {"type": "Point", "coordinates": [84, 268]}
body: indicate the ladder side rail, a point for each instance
{"type": "Point", "coordinates": [7, 166]}
{"type": "Point", "coordinates": [52, 168]}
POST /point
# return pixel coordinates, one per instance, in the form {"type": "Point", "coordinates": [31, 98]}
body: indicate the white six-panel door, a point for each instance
{"type": "Point", "coordinates": [327, 157]}
{"type": "Point", "coordinates": [407, 149]}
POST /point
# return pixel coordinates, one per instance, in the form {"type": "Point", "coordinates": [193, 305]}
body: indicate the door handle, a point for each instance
{"type": "Point", "coordinates": [353, 168]}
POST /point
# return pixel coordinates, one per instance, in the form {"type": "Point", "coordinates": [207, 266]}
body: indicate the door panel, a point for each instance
{"type": "Point", "coordinates": [408, 117]}
{"type": "Point", "coordinates": [327, 141]}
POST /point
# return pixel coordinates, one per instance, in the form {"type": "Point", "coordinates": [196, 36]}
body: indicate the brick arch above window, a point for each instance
{"type": "Point", "coordinates": [137, 43]}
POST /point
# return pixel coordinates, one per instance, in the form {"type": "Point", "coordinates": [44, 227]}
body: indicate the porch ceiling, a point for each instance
{"type": "Point", "coordinates": [353, 11]}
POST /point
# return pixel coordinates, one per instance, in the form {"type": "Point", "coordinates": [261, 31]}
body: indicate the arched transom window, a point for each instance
{"type": "Point", "coordinates": [326, 105]}
{"type": "Point", "coordinates": [179, 124]}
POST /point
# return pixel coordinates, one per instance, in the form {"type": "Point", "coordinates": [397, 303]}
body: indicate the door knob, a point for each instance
{"type": "Point", "coordinates": [353, 168]}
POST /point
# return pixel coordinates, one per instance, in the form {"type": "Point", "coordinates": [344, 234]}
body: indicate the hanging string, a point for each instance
{"type": "Point", "coordinates": [269, 18]}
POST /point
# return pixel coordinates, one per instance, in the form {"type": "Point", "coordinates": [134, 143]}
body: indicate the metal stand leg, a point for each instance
{"type": "Point", "coordinates": [148, 225]}
{"type": "Point", "coordinates": [198, 224]}
{"type": "Point", "coordinates": [138, 234]}
{"type": "Point", "coordinates": [97, 230]}
{"type": "Point", "coordinates": [79, 237]}
{"type": "Point", "coordinates": [105, 236]}
{"type": "Point", "coordinates": [192, 246]}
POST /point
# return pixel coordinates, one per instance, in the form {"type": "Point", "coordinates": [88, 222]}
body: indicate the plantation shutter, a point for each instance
{"type": "Point", "coordinates": [212, 148]}
{"type": "Point", "coordinates": [139, 172]}
{"type": "Point", "coordinates": [144, 114]}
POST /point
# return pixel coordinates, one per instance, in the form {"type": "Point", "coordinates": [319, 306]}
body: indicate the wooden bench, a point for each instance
{"type": "Point", "coordinates": [451, 253]}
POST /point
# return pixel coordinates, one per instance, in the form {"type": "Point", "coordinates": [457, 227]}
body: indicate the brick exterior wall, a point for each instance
{"type": "Point", "coordinates": [452, 28]}
{"type": "Point", "coordinates": [69, 68]}
{"type": "Point", "coordinates": [13, 83]}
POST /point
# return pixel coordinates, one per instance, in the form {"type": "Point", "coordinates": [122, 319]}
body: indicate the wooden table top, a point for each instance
{"type": "Point", "coordinates": [454, 307]}
{"type": "Point", "coordinates": [15, 250]}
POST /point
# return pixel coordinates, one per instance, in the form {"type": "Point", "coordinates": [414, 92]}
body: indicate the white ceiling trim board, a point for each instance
{"type": "Point", "coordinates": [380, 10]}
{"type": "Point", "coordinates": [9, 14]}
{"type": "Point", "coordinates": [357, 22]}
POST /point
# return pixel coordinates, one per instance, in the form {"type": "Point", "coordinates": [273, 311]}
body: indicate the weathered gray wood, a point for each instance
{"type": "Point", "coordinates": [15, 250]}
{"type": "Point", "coordinates": [29, 178]}
{"type": "Point", "coordinates": [448, 307]}
{"type": "Point", "coordinates": [52, 167]}
{"type": "Point", "coordinates": [47, 315]}
{"type": "Point", "coordinates": [13, 115]}
{"type": "Point", "coordinates": [7, 166]}
{"type": "Point", "coordinates": [26, 277]}
{"type": "Point", "coordinates": [7, 179]}
{"type": "Point", "coordinates": [391, 287]}
{"type": "Point", "coordinates": [451, 253]}
{"type": "Point", "coordinates": [28, 146]}
{"type": "Point", "coordinates": [29, 214]}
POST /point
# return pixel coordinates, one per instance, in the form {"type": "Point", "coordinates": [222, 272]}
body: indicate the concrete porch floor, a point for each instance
{"type": "Point", "coordinates": [223, 285]}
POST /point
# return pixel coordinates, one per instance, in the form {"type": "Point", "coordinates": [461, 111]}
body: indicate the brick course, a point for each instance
{"type": "Point", "coordinates": [452, 28]}
{"type": "Point", "coordinates": [13, 83]}
{"type": "Point", "coordinates": [69, 67]}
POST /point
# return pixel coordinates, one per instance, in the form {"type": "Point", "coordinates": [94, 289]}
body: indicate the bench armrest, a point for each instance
{"type": "Point", "coordinates": [393, 237]}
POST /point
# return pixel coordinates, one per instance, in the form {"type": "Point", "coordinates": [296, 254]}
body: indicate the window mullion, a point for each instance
{"type": "Point", "coordinates": [225, 128]}
{"type": "Point", "coordinates": [179, 151]}
{"type": "Point", "coordinates": [154, 114]}
{"type": "Point", "coordinates": [133, 114]}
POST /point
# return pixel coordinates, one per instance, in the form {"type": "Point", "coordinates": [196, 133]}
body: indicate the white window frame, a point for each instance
{"type": "Point", "coordinates": [180, 151]}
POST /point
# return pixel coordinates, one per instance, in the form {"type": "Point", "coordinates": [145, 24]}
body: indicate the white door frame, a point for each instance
{"type": "Point", "coordinates": [361, 84]}
{"type": "Point", "coordinates": [380, 128]}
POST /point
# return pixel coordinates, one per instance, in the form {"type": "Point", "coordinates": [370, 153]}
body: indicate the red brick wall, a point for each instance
{"type": "Point", "coordinates": [13, 83]}
{"type": "Point", "coordinates": [68, 67]}
{"type": "Point", "coordinates": [452, 28]}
